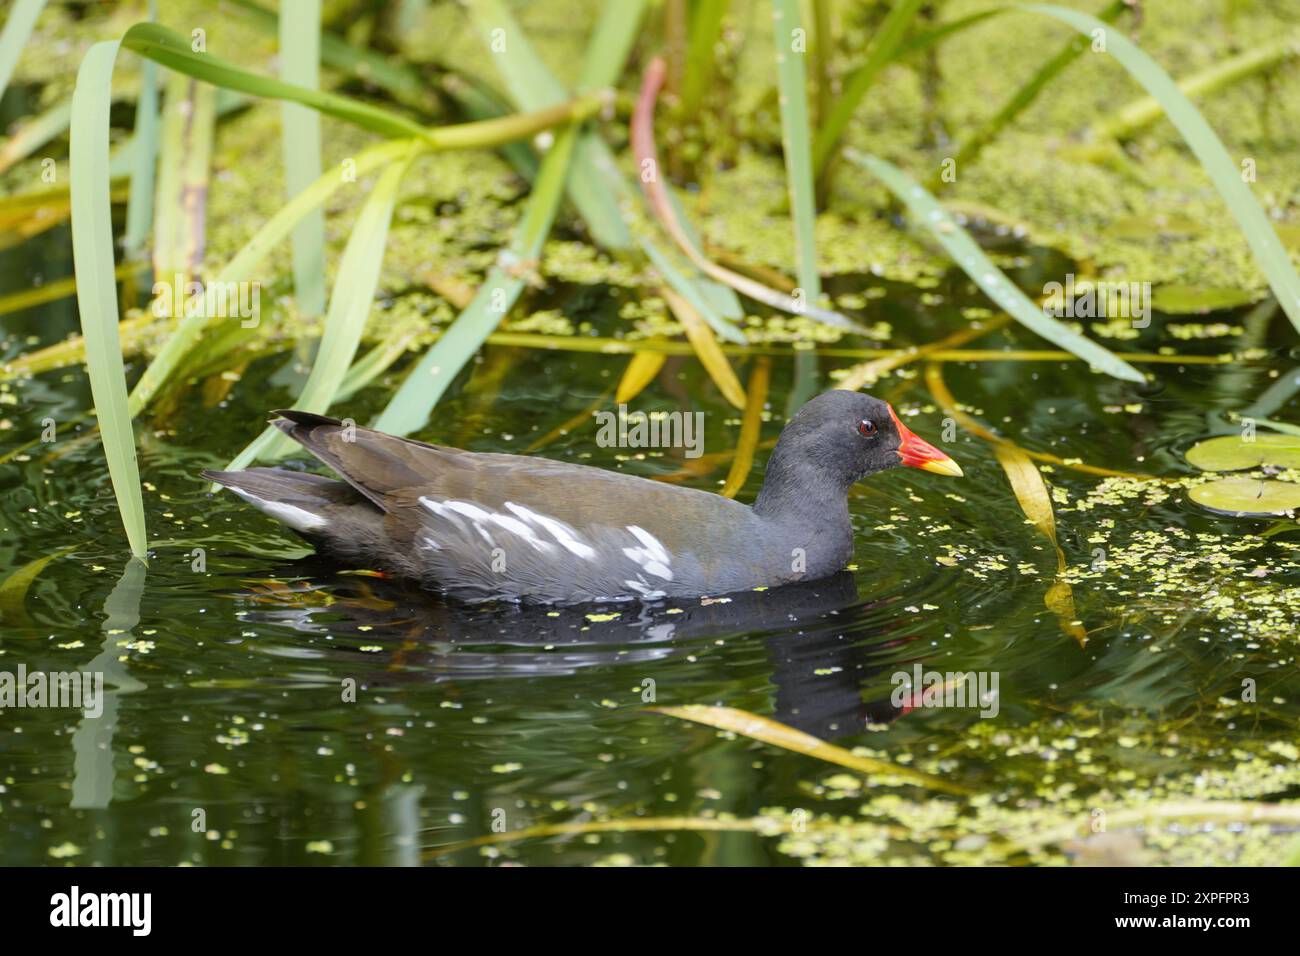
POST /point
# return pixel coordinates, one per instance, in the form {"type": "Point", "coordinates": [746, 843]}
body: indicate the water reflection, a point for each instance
{"type": "Point", "coordinates": [821, 640]}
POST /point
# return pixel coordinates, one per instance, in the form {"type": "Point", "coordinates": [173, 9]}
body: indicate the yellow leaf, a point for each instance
{"type": "Point", "coordinates": [781, 735]}
{"type": "Point", "coordinates": [640, 372]}
{"type": "Point", "coordinates": [706, 347]}
{"type": "Point", "coordinates": [749, 427]}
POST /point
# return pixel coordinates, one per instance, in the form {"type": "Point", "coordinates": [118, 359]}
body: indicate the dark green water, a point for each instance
{"type": "Point", "coordinates": [226, 737]}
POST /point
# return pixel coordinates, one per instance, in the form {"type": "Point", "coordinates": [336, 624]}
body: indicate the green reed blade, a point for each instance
{"type": "Point", "coordinates": [791, 44]}
{"type": "Point", "coordinates": [706, 28]}
{"type": "Point", "coordinates": [35, 133]}
{"type": "Point", "coordinates": [189, 114]}
{"type": "Point", "coordinates": [92, 252]}
{"type": "Point", "coordinates": [18, 28]}
{"type": "Point", "coordinates": [300, 138]}
{"type": "Point", "coordinates": [884, 45]}
{"type": "Point", "coordinates": [144, 158]}
{"type": "Point", "coordinates": [410, 408]}
{"type": "Point", "coordinates": [972, 260]}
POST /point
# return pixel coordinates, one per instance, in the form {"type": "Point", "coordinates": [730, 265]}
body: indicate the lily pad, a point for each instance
{"type": "Point", "coordinates": [1233, 452]}
{"type": "Point", "coordinates": [1243, 496]}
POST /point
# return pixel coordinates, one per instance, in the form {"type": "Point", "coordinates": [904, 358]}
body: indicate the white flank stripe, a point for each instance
{"type": "Point", "coordinates": [560, 531]}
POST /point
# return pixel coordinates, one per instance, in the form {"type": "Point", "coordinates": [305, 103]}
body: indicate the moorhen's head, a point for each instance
{"type": "Point", "coordinates": [840, 437]}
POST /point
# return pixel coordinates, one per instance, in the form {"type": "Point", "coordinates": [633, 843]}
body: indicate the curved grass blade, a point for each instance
{"type": "Point", "coordinates": [172, 51]}
{"type": "Point", "coordinates": [397, 78]}
{"type": "Point", "coordinates": [640, 372]}
{"type": "Point", "coordinates": [884, 45]}
{"type": "Point", "coordinates": [750, 426]}
{"type": "Point", "coordinates": [706, 347]}
{"type": "Point", "coordinates": [1035, 501]}
{"type": "Point", "coordinates": [1206, 146]}
{"type": "Point", "coordinates": [17, 29]}
{"type": "Point", "coordinates": [531, 85]}
{"type": "Point", "coordinates": [972, 260]}
{"type": "Point", "coordinates": [693, 290]}
{"type": "Point", "coordinates": [300, 139]}
{"type": "Point", "coordinates": [777, 734]}
{"type": "Point", "coordinates": [349, 309]}
{"type": "Point", "coordinates": [409, 409]}
{"type": "Point", "coordinates": [92, 252]}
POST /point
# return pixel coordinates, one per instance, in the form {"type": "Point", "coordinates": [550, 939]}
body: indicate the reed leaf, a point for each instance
{"type": "Point", "coordinates": [884, 45]}
{"type": "Point", "coordinates": [403, 82]}
{"type": "Point", "coordinates": [792, 83]}
{"type": "Point", "coordinates": [693, 289]}
{"type": "Point", "coordinates": [92, 251]}
{"type": "Point", "coordinates": [349, 309]}
{"type": "Point", "coordinates": [777, 734]}
{"type": "Point", "coordinates": [1036, 502]}
{"type": "Point", "coordinates": [532, 86]}
{"type": "Point", "coordinates": [966, 252]}
{"type": "Point", "coordinates": [700, 335]}
{"type": "Point", "coordinates": [1206, 146]}
{"type": "Point", "coordinates": [750, 426]}
{"type": "Point", "coordinates": [300, 139]}
{"type": "Point", "coordinates": [17, 30]}
{"type": "Point", "coordinates": [172, 51]}
{"type": "Point", "coordinates": [409, 409]}
{"type": "Point", "coordinates": [35, 133]}
{"type": "Point", "coordinates": [640, 372]}
{"type": "Point", "coordinates": [182, 190]}
{"type": "Point", "coordinates": [1146, 110]}
{"type": "Point", "coordinates": [697, 73]}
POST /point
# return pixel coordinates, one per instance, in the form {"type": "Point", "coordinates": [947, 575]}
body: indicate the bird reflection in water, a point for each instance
{"type": "Point", "coordinates": [823, 644]}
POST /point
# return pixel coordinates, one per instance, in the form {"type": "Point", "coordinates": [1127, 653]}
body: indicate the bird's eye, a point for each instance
{"type": "Point", "coordinates": [866, 428]}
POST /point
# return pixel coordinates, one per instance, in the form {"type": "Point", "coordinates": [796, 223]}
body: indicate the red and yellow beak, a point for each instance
{"type": "Point", "coordinates": [918, 453]}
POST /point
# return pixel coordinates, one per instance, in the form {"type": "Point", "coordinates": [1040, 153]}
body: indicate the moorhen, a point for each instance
{"type": "Point", "coordinates": [481, 525]}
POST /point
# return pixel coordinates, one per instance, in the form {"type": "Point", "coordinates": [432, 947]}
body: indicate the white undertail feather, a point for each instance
{"type": "Point", "coordinates": [296, 518]}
